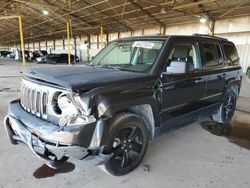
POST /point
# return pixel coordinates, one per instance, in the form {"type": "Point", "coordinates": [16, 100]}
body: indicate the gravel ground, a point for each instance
{"type": "Point", "coordinates": [192, 156]}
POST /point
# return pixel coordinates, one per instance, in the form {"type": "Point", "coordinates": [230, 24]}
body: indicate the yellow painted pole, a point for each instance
{"type": "Point", "coordinates": [68, 36]}
{"type": "Point", "coordinates": [101, 36]}
{"type": "Point", "coordinates": [21, 38]}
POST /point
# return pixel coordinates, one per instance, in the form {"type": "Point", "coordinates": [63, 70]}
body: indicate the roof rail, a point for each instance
{"type": "Point", "coordinates": [203, 35]}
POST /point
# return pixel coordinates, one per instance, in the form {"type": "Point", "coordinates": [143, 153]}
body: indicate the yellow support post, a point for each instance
{"type": "Point", "coordinates": [101, 36]}
{"type": "Point", "coordinates": [68, 36]}
{"type": "Point", "coordinates": [21, 38]}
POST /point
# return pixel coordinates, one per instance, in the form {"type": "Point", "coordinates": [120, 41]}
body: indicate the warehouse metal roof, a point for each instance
{"type": "Point", "coordinates": [87, 16]}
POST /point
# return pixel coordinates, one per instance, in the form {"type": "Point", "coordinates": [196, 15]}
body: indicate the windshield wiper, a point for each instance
{"type": "Point", "coordinates": [108, 66]}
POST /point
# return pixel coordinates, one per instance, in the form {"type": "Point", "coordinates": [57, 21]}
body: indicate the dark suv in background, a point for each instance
{"type": "Point", "coordinates": [133, 90]}
{"type": "Point", "coordinates": [4, 53]}
{"type": "Point", "coordinates": [60, 58]}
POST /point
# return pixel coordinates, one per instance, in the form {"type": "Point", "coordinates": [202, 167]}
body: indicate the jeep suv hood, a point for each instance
{"type": "Point", "coordinates": [83, 77]}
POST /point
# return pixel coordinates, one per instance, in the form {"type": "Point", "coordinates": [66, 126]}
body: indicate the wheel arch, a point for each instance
{"type": "Point", "coordinates": [145, 107]}
{"type": "Point", "coordinates": [145, 111]}
{"type": "Point", "coordinates": [234, 84]}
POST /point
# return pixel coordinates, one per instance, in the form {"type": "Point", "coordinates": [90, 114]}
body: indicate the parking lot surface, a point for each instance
{"type": "Point", "coordinates": [196, 155]}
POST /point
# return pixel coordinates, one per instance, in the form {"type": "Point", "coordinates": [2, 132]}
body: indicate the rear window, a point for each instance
{"type": "Point", "coordinates": [213, 56]}
{"type": "Point", "coordinates": [231, 54]}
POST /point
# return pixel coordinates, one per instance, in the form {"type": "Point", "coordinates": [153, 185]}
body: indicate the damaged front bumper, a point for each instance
{"type": "Point", "coordinates": [52, 143]}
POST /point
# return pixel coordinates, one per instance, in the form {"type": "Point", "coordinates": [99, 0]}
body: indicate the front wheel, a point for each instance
{"type": "Point", "coordinates": [128, 143]}
{"type": "Point", "coordinates": [227, 108]}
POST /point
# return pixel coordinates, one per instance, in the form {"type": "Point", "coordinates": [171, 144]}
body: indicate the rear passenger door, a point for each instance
{"type": "Point", "coordinates": [214, 71]}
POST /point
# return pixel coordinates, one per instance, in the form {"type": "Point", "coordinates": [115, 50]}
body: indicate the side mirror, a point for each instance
{"type": "Point", "coordinates": [177, 67]}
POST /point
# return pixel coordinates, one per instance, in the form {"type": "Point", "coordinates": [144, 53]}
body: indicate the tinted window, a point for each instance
{"type": "Point", "coordinates": [184, 53]}
{"type": "Point", "coordinates": [213, 56]}
{"type": "Point", "coordinates": [231, 54]}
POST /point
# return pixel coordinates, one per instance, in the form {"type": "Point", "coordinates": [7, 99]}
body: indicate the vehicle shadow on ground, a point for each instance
{"type": "Point", "coordinates": [44, 171]}
{"type": "Point", "coordinates": [236, 132]}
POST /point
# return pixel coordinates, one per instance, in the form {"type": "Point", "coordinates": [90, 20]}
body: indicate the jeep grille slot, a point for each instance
{"type": "Point", "coordinates": [34, 99]}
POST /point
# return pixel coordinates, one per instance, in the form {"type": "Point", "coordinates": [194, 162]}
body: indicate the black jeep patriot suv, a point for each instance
{"type": "Point", "coordinates": [133, 90]}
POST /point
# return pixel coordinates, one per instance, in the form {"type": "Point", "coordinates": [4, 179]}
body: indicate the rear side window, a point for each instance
{"type": "Point", "coordinates": [231, 54]}
{"type": "Point", "coordinates": [213, 55]}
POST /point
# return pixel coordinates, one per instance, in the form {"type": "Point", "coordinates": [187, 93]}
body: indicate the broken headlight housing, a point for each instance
{"type": "Point", "coordinates": [68, 109]}
{"type": "Point", "coordinates": [71, 113]}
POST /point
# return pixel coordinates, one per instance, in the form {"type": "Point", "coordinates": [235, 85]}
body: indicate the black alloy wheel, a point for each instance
{"type": "Point", "coordinates": [227, 108]}
{"type": "Point", "coordinates": [128, 144]}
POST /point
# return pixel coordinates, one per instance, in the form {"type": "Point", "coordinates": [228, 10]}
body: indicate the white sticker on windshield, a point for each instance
{"type": "Point", "coordinates": [143, 44]}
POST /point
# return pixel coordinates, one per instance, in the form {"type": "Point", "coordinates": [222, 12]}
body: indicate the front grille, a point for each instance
{"type": "Point", "coordinates": [34, 99]}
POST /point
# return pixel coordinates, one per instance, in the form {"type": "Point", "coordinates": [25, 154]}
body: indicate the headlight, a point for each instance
{"type": "Point", "coordinates": [71, 113]}
{"type": "Point", "coordinates": [64, 102]}
{"type": "Point", "coordinates": [68, 109]}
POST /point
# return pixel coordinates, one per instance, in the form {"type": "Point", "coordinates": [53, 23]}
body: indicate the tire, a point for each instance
{"type": "Point", "coordinates": [227, 108]}
{"type": "Point", "coordinates": [128, 143]}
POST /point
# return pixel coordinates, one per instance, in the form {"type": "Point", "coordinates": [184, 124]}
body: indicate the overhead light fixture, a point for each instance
{"type": "Point", "coordinates": [45, 12]}
{"type": "Point", "coordinates": [203, 19]}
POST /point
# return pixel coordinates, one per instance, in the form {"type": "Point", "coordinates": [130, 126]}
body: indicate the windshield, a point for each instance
{"type": "Point", "coordinates": [137, 56]}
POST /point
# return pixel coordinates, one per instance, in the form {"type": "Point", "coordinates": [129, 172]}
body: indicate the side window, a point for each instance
{"type": "Point", "coordinates": [231, 54]}
{"type": "Point", "coordinates": [183, 58]}
{"type": "Point", "coordinates": [213, 56]}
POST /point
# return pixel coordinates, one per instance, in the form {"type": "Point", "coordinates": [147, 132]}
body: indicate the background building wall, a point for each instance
{"type": "Point", "coordinates": [234, 29]}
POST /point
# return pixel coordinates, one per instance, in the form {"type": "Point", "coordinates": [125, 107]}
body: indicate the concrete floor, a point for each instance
{"type": "Point", "coordinates": [188, 157]}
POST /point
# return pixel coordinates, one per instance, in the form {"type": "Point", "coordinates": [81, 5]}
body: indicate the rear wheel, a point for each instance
{"type": "Point", "coordinates": [128, 143]}
{"type": "Point", "coordinates": [227, 108]}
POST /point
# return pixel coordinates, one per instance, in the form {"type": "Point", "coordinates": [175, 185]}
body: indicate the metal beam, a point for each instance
{"type": "Point", "coordinates": [63, 15]}
{"type": "Point", "coordinates": [117, 20]}
{"type": "Point", "coordinates": [147, 12]}
{"type": "Point", "coordinates": [239, 5]}
{"type": "Point", "coordinates": [8, 17]}
{"type": "Point", "coordinates": [38, 3]}
{"type": "Point", "coordinates": [188, 5]}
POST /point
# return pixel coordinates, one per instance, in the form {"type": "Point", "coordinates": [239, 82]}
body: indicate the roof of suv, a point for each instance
{"type": "Point", "coordinates": [164, 37]}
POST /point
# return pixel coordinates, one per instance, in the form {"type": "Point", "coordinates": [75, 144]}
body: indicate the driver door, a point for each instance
{"type": "Point", "coordinates": [182, 89]}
